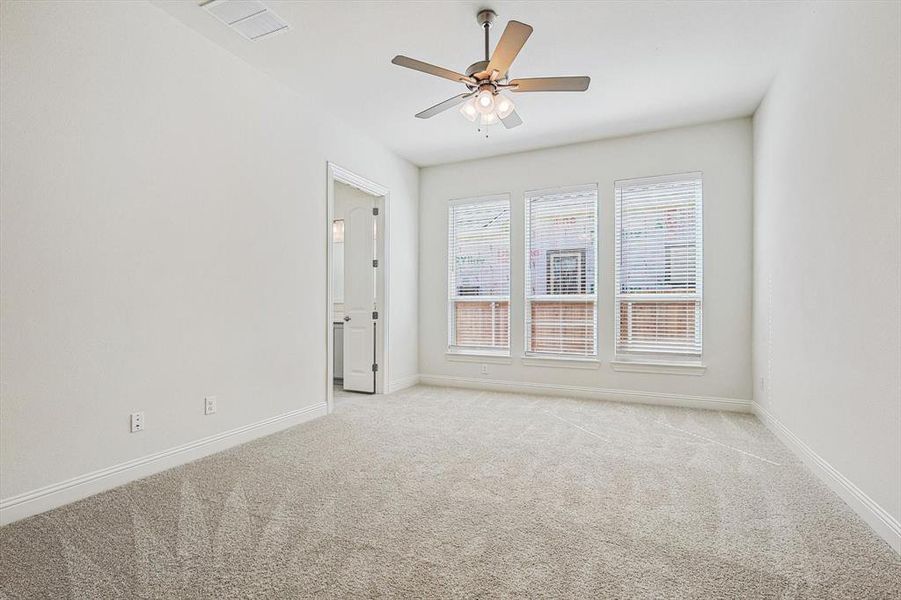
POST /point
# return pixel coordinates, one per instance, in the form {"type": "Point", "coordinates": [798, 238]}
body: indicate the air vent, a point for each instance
{"type": "Point", "coordinates": [251, 18]}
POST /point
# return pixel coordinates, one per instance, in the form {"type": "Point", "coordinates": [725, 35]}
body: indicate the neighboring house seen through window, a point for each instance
{"type": "Point", "coordinates": [561, 271]}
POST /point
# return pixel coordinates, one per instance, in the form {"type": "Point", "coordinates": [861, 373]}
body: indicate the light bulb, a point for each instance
{"type": "Point", "coordinates": [504, 106]}
{"type": "Point", "coordinates": [468, 110]}
{"type": "Point", "coordinates": [485, 102]}
{"type": "Point", "coordinates": [488, 118]}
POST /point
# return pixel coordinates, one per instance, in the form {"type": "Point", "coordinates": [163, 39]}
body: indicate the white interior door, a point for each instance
{"type": "Point", "coordinates": [359, 297]}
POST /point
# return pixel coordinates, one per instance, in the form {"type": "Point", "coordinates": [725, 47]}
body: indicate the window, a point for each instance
{"type": "Point", "coordinates": [561, 271]}
{"type": "Point", "coordinates": [479, 275]}
{"type": "Point", "coordinates": [566, 271]}
{"type": "Point", "coordinates": [659, 264]}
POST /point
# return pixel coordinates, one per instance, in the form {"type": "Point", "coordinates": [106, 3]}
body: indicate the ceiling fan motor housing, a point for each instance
{"type": "Point", "coordinates": [477, 67]}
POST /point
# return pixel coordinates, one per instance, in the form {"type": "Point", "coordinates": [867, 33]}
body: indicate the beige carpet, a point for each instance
{"type": "Point", "coordinates": [449, 493]}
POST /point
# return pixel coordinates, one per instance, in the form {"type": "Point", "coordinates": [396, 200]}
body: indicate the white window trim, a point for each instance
{"type": "Point", "coordinates": [476, 356]}
{"type": "Point", "coordinates": [633, 361]}
{"type": "Point", "coordinates": [630, 365]}
{"type": "Point", "coordinates": [657, 179]}
{"type": "Point", "coordinates": [484, 354]}
{"type": "Point", "coordinates": [478, 199]}
{"type": "Point", "coordinates": [540, 358]}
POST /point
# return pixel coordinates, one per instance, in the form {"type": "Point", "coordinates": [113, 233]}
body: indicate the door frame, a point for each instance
{"type": "Point", "coordinates": [381, 196]}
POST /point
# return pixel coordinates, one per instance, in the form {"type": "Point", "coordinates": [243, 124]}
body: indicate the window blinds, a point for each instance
{"type": "Point", "coordinates": [479, 274]}
{"type": "Point", "coordinates": [659, 264]}
{"type": "Point", "coordinates": [561, 271]}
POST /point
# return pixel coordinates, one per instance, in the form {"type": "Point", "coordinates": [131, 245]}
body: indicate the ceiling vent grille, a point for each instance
{"type": "Point", "coordinates": [251, 18]}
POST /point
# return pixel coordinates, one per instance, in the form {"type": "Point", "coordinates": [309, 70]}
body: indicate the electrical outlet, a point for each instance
{"type": "Point", "coordinates": [209, 405]}
{"type": "Point", "coordinates": [484, 369]}
{"type": "Point", "coordinates": [137, 422]}
{"type": "Point", "coordinates": [763, 384]}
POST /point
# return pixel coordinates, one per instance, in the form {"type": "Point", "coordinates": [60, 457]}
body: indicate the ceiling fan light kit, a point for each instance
{"type": "Point", "coordinates": [486, 79]}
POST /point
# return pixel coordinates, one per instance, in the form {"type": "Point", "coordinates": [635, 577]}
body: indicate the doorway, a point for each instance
{"type": "Point", "coordinates": [357, 298]}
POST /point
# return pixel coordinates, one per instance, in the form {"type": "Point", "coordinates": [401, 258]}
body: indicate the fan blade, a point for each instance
{"type": "Point", "coordinates": [511, 42]}
{"type": "Point", "coordinates": [512, 120]}
{"type": "Point", "coordinates": [551, 84]}
{"type": "Point", "coordinates": [442, 106]}
{"type": "Point", "coordinates": [418, 65]}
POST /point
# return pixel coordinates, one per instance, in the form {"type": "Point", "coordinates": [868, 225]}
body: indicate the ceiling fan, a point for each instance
{"type": "Point", "coordinates": [486, 79]}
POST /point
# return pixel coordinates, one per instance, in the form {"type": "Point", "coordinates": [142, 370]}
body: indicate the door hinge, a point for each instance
{"type": "Point", "coordinates": [375, 262]}
{"type": "Point", "coordinates": [375, 367]}
{"type": "Point", "coordinates": [375, 314]}
{"type": "Point", "coordinates": [375, 211]}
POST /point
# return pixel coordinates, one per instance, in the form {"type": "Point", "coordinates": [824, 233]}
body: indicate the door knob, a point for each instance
{"type": "Point", "coordinates": [346, 318]}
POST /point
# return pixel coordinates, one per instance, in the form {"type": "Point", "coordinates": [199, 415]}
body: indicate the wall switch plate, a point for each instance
{"type": "Point", "coordinates": [763, 384]}
{"type": "Point", "coordinates": [137, 422]}
{"type": "Point", "coordinates": [209, 405]}
{"type": "Point", "coordinates": [484, 369]}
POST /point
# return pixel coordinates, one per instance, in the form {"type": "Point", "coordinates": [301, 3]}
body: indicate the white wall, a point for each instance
{"type": "Point", "coordinates": [826, 254]}
{"type": "Point", "coordinates": [163, 237]}
{"type": "Point", "coordinates": [721, 150]}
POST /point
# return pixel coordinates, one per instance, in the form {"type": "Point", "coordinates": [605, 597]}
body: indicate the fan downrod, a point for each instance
{"type": "Point", "coordinates": [485, 18]}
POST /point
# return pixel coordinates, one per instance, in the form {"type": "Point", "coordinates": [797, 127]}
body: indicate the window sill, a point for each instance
{"type": "Point", "coordinates": [665, 368]}
{"type": "Point", "coordinates": [567, 362]}
{"type": "Point", "coordinates": [479, 357]}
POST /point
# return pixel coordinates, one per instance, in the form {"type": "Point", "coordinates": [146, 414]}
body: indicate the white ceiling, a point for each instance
{"type": "Point", "coordinates": [653, 65]}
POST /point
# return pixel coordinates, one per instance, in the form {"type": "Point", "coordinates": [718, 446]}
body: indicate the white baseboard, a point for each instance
{"type": "Point", "coordinates": [64, 492]}
{"type": "Point", "coordinates": [657, 398]}
{"type": "Point", "coordinates": [402, 383]}
{"type": "Point", "coordinates": [876, 517]}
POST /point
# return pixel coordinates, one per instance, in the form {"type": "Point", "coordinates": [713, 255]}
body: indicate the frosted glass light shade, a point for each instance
{"type": "Point", "coordinates": [504, 106]}
{"type": "Point", "coordinates": [468, 109]}
{"type": "Point", "coordinates": [485, 102]}
{"type": "Point", "coordinates": [488, 119]}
